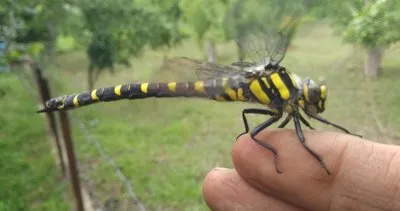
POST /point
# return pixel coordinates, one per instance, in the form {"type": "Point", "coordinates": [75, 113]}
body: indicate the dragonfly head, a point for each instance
{"type": "Point", "coordinates": [54, 104]}
{"type": "Point", "coordinates": [314, 95]}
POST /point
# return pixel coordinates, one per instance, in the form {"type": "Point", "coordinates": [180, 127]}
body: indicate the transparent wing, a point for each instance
{"type": "Point", "coordinates": [285, 37]}
{"type": "Point", "coordinates": [187, 69]}
{"type": "Point", "coordinates": [263, 29]}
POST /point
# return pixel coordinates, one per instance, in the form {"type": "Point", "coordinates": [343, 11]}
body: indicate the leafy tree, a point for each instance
{"type": "Point", "coordinates": [116, 30]}
{"type": "Point", "coordinates": [372, 24]}
{"type": "Point", "coordinates": [29, 22]}
{"type": "Point", "coordinates": [204, 19]}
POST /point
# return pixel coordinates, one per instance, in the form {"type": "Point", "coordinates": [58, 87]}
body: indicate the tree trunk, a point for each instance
{"type": "Point", "coordinates": [212, 52]}
{"type": "Point", "coordinates": [91, 79]}
{"type": "Point", "coordinates": [241, 53]}
{"type": "Point", "coordinates": [372, 65]}
{"type": "Point", "coordinates": [165, 56]}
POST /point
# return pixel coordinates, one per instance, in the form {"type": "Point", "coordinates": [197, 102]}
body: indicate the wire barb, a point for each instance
{"type": "Point", "coordinates": [116, 168]}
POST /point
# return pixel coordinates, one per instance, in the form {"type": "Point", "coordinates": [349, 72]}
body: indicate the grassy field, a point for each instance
{"type": "Point", "coordinates": [166, 146]}
{"type": "Point", "coordinates": [29, 178]}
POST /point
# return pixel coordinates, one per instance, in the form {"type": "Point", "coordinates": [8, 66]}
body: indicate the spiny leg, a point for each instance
{"type": "Point", "coordinates": [300, 135]}
{"type": "Point", "coordinates": [285, 122]}
{"type": "Point", "coordinates": [261, 127]}
{"type": "Point", "coordinates": [289, 117]}
{"type": "Point", "coordinates": [253, 111]}
{"type": "Point", "coordinates": [305, 122]}
{"type": "Point", "coordinates": [321, 119]}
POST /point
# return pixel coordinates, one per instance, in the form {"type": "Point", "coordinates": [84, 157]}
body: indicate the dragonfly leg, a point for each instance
{"type": "Point", "coordinates": [285, 122]}
{"type": "Point", "coordinates": [261, 127]}
{"type": "Point", "coordinates": [300, 135]}
{"type": "Point", "coordinates": [253, 111]}
{"type": "Point", "coordinates": [305, 122]}
{"type": "Point", "coordinates": [323, 120]}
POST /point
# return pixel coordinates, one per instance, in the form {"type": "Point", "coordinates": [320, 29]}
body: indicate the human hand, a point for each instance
{"type": "Point", "coordinates": [365, 175]}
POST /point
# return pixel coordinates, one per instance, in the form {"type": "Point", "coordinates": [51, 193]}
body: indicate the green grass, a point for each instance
{"type": "Point", "coordinates": [29, 178]}
{"type": "Point", "coordinates": [166, 146]}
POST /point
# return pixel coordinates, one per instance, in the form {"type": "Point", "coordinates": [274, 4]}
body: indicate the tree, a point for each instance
{"type": "Point", "coordinates": [117, 30]}
{"type": "Point", "coordinates": [32, 22]}
{"type": "Point", "coordinates": [204, 19]}
{"type": "Point", "coordinates": [375, 27]}
{"type": "Point", "coordinates": [372, 24]}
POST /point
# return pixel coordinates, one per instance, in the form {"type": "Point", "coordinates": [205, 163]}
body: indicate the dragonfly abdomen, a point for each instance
{"type": "Point", "coordinates": [223, 89]}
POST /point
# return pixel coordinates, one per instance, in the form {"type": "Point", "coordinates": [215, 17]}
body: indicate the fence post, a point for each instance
{"type": "Point", "coordinates": [44, 93]}
{"type": "Point", "coordinates": [73, 171]}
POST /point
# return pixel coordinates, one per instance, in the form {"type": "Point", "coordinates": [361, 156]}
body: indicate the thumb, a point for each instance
{"type": "Point", "coordinates": [365, 175]}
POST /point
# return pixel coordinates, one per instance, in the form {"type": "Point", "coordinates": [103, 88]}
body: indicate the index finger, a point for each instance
{"type": "Point", "coordinates": [356, 167]}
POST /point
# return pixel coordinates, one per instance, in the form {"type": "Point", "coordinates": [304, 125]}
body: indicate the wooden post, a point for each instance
{"type": "Point", "coordinates": [73, 170]}
{"type": "Point", "coordinates": [44, 93]}
{"type": "Point", "coordinates": [66, 133]}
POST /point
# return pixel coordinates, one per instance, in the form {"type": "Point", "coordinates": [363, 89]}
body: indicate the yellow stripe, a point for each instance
{"type": "Point", "coordinates": [75, 101]}
{"type": "Point", "coordinates": [305, 90]}
{"type": "Point", "coordinates": [266, 82]}
{"type": "Point", "coordinates": [117, 90]}
{"type": "Point", "coordinates": [219, 98]}
{"type": "Point", "coordinates": [255, 88]}
{"type": "Point", "coordinates": [172, 86]}
{"type": "Point", "coordinates": [231, 93]}
{"type": "Point", "coordinates": [323, 92]}
{"type": "Point", "coordinates": [240, 94]}
{"type": "Point", "coordinates": [94, 95]}
{"type": "Point", "coordinates": [199, 86]}
{"type": "Point", "coordinates": [280, 85]}
{"type": "Point", "coordinates": [292, 78]}
{"type": "Point", "coordinates": [143, 87]}
{"type": "Point", "coordinates": [301, 103]}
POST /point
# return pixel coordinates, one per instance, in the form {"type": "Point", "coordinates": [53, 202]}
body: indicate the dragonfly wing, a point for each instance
{"type": "Point", "coordinates": [285, 34]}
{"type": "Point", "coordinates": [264, 36]}
{"type": "Point", "coordinates": [187, 69]}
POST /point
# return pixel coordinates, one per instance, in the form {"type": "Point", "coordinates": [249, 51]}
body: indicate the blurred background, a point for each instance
{"type": "Point", "coordinates": [152, 154]}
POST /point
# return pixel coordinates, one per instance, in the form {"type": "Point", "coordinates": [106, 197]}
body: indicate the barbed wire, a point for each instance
{"type": "Point", "coordinates": [90, 187]}
{"type": "Point", "coordinates": [128, 185]}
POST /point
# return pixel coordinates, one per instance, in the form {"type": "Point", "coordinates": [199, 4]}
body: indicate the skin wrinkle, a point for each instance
{"type": "Point", "coordinates": [375, 156]}
{"type": "Point", "coordinates": [390, 174]}
{"type": "Point", "coordinates": [397, 186]}
{"type": "Point", "coordinates": [222, 198]}
{"type": "Point", "coordinates": [350, 191]}
{"type": "Point", "coordinates": [378, 157]}
{"type": "Point", "coordinates": [338, 137]}
{"type": "Point", "coordinates": [350, 203]}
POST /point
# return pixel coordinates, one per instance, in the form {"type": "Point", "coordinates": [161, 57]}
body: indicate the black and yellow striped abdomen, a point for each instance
{"type": "Point", "coordinates": [223, 89]}
{"type": "Point", "coordinates": [271, 90]}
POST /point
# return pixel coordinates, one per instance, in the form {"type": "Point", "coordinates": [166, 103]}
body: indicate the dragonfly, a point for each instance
{"type": "Point", "coordinates": [261, 80]}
